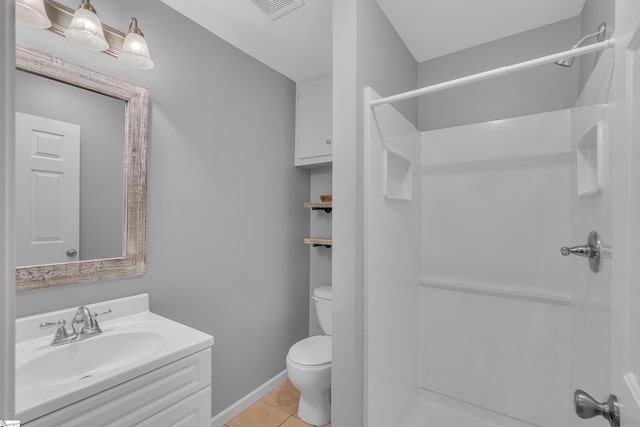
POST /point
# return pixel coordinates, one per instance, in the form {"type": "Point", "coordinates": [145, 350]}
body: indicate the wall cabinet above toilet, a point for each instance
{"type": "Point", "coordinates": [314, 128]}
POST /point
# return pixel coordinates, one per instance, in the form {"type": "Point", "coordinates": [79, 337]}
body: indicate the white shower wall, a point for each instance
{"type": "Point", "coordinates": [494, 291]}
{"type": "Point", "coordinates": [391, 258]}
{"type": "Point", "coordinates": [467, 298]}
{"type": "Point", "coordinates": [495, 201]}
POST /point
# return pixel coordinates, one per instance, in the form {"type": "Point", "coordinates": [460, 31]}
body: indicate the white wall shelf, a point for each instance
{"type": "Point", "coordinates": [314, 206]}
{"type": "Point", "coordinates": [318, 241]}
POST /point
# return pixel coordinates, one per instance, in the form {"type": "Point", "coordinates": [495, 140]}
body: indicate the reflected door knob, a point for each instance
{"type": "Point", "coordinates": [72, 252]}
{"type": "Point", "coordinates": [587, 407]}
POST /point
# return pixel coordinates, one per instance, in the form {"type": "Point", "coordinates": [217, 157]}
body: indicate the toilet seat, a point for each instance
{"type": "Point", "coordinates": [312, 351]}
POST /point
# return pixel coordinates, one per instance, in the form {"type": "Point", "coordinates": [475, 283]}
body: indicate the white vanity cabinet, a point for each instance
{"type": "Point", "coordinates": [314, 122]}
{"type": "Point", "coordinates": [178, 394]}
{"type": "Point", "coordinates": [141, 370]}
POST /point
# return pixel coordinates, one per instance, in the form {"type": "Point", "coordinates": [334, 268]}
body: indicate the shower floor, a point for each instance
{"type": "Point", "coordinates": [433, 410]}
{"type": "Point", "coordinates": [278, 408]}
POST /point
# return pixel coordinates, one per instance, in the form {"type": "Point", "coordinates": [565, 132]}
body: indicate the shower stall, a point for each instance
{"type": "Point", "coordinates": [473, 316]}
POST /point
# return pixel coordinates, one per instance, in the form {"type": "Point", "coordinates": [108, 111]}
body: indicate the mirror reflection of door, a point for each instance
{"type": "Point", "coordinates": [48, 186]}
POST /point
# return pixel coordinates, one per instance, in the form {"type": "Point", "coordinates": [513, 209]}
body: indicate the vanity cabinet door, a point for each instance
{"type": "Point", "coordinates": [194, 411]}
{"type": "Point", "coordinates": [314, 122]}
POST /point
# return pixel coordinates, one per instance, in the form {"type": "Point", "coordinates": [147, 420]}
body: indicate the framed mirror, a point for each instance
{"type": "Point", "coordinates": [111, 227]}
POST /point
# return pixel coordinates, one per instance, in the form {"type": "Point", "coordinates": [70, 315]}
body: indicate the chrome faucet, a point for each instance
{"type": "Point", "coordinates": [89, 325]}
{"type": "Point", "coordinates": [84, 318]}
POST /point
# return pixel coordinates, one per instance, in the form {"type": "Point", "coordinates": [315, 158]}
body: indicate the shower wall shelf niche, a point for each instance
{"type": "Point", "coordinates": [590, 160]}
{"type": "Point", "coordinates": [397, 176]}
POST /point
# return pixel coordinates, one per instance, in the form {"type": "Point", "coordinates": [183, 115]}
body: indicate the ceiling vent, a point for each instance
{"type": "Point", "coordinates": [274, 9]}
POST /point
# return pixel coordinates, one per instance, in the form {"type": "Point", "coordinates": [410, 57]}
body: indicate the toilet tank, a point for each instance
{"type": "Point", "coordinates": [322, 296]}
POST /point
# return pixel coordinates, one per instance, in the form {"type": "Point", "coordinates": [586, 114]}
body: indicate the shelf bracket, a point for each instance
{"type": "Point", "coordinates": [315, 245]}
{"type": "Point", "coordinates": [327, 210]}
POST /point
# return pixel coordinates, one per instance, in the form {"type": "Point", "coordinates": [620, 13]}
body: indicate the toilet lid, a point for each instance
{"type": "Point", "coordinates": [312, 351]}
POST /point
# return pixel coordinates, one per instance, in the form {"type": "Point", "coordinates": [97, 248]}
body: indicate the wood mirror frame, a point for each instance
{"type": "Point", "coordinates": [136, 98]}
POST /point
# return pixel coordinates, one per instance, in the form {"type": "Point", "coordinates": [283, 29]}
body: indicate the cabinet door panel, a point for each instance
{"type": "Point", "coordinates": [313, 120]}
{"type": "Point", "coordinates": [194, 411]}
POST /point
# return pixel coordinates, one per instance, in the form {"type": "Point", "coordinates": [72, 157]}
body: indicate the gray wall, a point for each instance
{"type": "Point", "coordinates": [384, 62]}
{"type": "Point", "coordinates": [101, 121]}
{"type": "Point", "coordinates": [225, 230]}
{"type": "Point", "coordinates": [593, 14]}
{"type": "Point", "coordinates": [544, 88]}
{"type": "Point", "coordinates": [7, 266]}
{"type": "Point", "coordinates": [540, 89]}
{"type": "Point", "coordinates": [366, 52]}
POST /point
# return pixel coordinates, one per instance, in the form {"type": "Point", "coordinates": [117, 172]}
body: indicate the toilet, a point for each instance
{"type": "Point", "coordinates": [309, 365]}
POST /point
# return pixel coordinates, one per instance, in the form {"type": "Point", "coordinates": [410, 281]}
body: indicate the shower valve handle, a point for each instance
{"type": "Point", "coordinates": [592, 251]}
{"type": "Point", "coordinates": [585, 251]}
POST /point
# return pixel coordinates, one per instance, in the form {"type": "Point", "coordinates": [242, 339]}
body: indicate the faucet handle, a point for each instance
{"type": "Point", "coordinates": [61, 322]}
{"type": "Point", "coordinates": [96, 326]}
{"type": "Point", "coordinates": [61, 332]}
{"type": "Point", "coordinates": [107, 311]}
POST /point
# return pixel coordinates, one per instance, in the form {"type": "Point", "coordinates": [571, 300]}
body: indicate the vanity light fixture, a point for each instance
{"type": "Point", "coordinates": [83, 27]}
{"type": "Point", "coordinates": [32, 13]}
{"type": "Point", "coordinates": [135, 51]}
{"type": "Point", "coordinates": [86, 29]}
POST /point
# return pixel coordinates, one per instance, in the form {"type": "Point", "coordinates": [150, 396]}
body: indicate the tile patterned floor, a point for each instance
{"type": "Point", "coordinates": [278, 408]}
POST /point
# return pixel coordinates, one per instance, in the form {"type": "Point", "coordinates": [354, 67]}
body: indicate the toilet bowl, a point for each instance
{"type": "Point", "coordinates": [309, 369]}
{"type": "Point", "coordinates": [309, 365]}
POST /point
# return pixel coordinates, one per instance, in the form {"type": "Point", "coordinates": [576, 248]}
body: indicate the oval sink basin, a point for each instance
{"type": "Point", "coordinates": [84, 359]}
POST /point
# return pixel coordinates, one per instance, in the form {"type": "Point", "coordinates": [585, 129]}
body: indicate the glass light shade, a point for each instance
{"type": "Point", "coordinates": [86, 30]}
{"type": "Point", "coordinates": [32, 13]}
{"type": "Point", "coordinates": [135, 52]}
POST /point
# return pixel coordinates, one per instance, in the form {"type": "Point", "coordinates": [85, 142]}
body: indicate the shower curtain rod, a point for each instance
{"type": "Point", "coordinates": [494, 73]}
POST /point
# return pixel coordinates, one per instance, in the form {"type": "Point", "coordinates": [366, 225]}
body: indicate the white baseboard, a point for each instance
{"type": "Point", "coordinates": [248, 400]}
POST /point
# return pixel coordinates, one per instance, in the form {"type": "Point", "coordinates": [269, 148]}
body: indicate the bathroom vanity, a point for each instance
{"type": "Point", "coordinates": [142, 370]}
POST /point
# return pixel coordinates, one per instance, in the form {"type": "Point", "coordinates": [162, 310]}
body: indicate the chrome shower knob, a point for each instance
{"type": "Point", "coordinates": [587, 407]}
{"type": "Point", "coordinates": [591, 251]}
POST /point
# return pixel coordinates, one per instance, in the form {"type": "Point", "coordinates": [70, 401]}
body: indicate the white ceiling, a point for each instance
{"type": "Point", "coordinates": [298, 44]}
{"type": "Point", "coordinates": [432, 28]}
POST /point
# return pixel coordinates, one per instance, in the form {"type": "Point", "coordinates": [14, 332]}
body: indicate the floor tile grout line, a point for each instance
{"type": "Point", "coordinates": [279, 408]}
{"type": "Point", "coordinates": [285, 421]}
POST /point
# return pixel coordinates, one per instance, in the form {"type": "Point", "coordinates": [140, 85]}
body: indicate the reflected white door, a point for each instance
{"type": "Point", "coordinates": [47, 190]}
{"type": "Point", "coordinates": [606, 311]}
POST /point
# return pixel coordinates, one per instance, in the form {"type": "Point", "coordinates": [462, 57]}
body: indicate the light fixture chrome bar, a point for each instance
{"type": "Point", "coordinates": [494, 73]}
{"type": "Point", "coordinates": [61, 15]}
